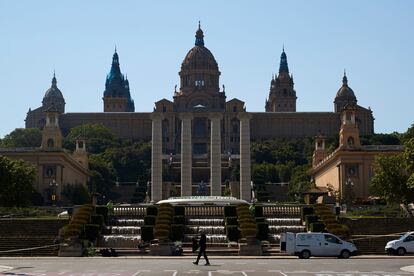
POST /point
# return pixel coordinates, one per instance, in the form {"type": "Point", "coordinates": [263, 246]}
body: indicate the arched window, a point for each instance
{"type": "Point", "coordinates": [50, 143]}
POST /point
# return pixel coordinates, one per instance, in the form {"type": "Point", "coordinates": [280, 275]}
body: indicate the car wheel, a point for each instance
{"type": "Point", "coordinates": [305, 254]}
{"type": "Point", "coordinates": [401, 251]}
{"type": "Point", "coordinates": [345, 254]}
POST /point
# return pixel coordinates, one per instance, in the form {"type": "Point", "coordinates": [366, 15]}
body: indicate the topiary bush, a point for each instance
{"type": "Point", "coordinates": [262, 231]}
{"type": "Point", "coordinates": [232, 232]}
{"type": "Point", "coordinates": [147, 233]}
{"type": "Point", "coordinates": [149, 220]}
{"type": "Point", "coordinates": [161, 234]}
{"type": "Point", "coordinates": [248, 232]}
{"type": "Point", "coordinates": [152, 211]}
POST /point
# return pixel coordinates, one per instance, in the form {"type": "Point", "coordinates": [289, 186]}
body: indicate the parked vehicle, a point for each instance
{"type": "Point", "coordinates": [305, 245]}
{"type": "Point", "coordinates": [405, 244]}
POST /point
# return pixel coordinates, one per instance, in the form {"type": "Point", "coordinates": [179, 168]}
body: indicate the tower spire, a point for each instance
{"type": "Point", "coordinates": [199, 36]}
{"type": "Point", "coordinates": [345, 79]}
{"type": "Point", "coordinates": [283, 68]}
{"type": "Point", "coordinates": [54, 81]}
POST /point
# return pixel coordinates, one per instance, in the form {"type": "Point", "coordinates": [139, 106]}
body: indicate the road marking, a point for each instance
{"type": "Point", "coordinates": [4, 268]}
{"type": "Point", "coordinates": [136, 273]}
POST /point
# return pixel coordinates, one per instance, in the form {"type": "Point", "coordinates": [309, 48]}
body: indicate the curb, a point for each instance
{"type": "Point", "coordinates": [366, 257]}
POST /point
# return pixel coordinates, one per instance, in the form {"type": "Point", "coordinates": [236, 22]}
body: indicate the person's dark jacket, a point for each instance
{"type": "Point", "coordinates": [203, 242]}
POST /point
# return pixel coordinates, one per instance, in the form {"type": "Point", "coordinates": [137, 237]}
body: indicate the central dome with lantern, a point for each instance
{"type": "Point", "coordinates": [199, 79]}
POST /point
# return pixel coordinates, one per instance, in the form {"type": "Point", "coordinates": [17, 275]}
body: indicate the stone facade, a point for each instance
{"type": "Point", "coordinates": [55, 168]}
{"type": "Point", "coordinates": [199, 128]}
{"type": "Point", "coordinates": [349, 168]}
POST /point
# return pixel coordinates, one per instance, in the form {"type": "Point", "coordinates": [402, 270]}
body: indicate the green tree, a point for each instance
{"type": "Point", "coordinates": [76, 193]}
{"type": "Point", "coordinates": [409, 161]}
{"type": "Point", "coordinates": [299, 183]}
{"type": "Point", "coordinates": [16, 182]}
{"type": "Point", "coordinates": [22, 137]}
{"type": "Point", "coordinates": [390, 179]}
{"type": "Point", "coordinates": [103, 175]}
{"type": "Point", "coordinates": [98, 138]}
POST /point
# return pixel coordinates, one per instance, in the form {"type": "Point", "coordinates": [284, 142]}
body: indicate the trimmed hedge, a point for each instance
{"type": "Point", "coordinates": [262, 231]}
{"type": "Point", "coordinates": [233, 233]}
{"type": "Point", "coordinates": [306, 210]}
{"type": "Point", "coordinates": [91, 232]}
{"type": "Point", "coordinates": [149, 220]}
{"type": "Point", "coordinates": [179, 211]}
{"type": "Point", "coordinates": [179, 220]}
{"type": "Point", "coordinates": [260, 219]}
{"type": "Point", "coordinates": [177, 232]}
{"type": "Point", "coordinates": [310, 218]}
{"type": "Point", "coordinates": [258, 211]}
{"type": "Point", "coordinates": [161, 233]}
{"type": "Point", "coordinates": [147, 233]}
{"type": "Point", "coordinates": [231, 221]}
{"type": "Point", "coordinates": [98, 219]}
{"type": "Point", "coordinates": [317, 226]}
{"type": "Point", "coordinates": [230, 211]}
{"type": "Point", "coordinates": [152, 211]}
{"type": "Point", "coordinates": [102, 210]}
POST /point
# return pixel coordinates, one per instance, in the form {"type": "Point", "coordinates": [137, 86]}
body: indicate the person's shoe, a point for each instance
{"type": "Point", "coordinates": [195, 263]}
{"type": "Point", "coordinates": [207, 264]}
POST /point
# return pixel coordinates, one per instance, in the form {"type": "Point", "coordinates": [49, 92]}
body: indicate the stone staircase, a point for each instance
{"type": "Point", "coordinates": [27, 233]}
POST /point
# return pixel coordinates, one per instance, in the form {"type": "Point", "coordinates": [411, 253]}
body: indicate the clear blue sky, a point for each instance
{"type": "Point", "coordinates": [373, 40]}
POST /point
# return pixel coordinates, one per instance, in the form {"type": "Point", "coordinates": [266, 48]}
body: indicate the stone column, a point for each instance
{"type": "Point", "coordinates": [245, 174]}
{"type": "Point", "coordinates": [215, 155]}
{"type": "Point", "coordinates": [186, 154]}
{"type": "Point", "coordinates": [156, 157]}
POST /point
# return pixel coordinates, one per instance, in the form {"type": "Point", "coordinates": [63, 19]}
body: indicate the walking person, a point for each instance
{"type": "Point", "coordinates": [202, 249]}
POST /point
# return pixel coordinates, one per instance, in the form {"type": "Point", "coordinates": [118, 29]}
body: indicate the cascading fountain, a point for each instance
{"type": "Point", "coordinates": [281, 225]}
{"type": "Point", "coordinates": [212, 227]}
{"type": "Point", "coordinates": [124, 233]}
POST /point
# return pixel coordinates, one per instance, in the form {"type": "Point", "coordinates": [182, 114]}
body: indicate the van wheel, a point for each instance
{"type": "Point", "coordinates": [345, 254]}
{"type": "Point", "coordinates": [305, 254]}
{"type": "Point", "coordinates": [401, 251]}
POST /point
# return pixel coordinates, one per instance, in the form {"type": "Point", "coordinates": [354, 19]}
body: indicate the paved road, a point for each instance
{"type": "Point", "coordinates": [180, 266]}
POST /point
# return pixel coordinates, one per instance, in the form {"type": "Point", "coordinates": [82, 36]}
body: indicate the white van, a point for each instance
{"type": "Point", "coordinates": [405, 244]}
{"type": "Point", "coordinates": [305, 245]}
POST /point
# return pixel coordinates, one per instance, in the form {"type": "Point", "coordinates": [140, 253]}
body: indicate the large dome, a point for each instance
{"type": "Point", "coordinates": [345, 91]}
{"type": "Point", "coordinates": [53, 91]}
{"type": "Point", "coordinates": [199, 57]}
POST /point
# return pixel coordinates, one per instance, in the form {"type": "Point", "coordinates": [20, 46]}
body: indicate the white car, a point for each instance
{"type": "Point", "coordinates": [403, 245]}
{"type": "Point", "coordinates": [305, 245]}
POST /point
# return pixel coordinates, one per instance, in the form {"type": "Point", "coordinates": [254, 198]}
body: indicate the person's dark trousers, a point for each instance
{"type": "Point", "coordinates": [202, 251]}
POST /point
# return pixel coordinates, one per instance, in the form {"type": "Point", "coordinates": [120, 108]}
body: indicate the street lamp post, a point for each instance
{"type": "Point", "coordinates": [349, 184]}
{"type": "Point", "coordinates": [53, 186]}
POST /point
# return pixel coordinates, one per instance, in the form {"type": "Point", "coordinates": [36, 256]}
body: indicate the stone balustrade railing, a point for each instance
{"type": "Point", "coordinates": [204, 211]}
{"type": "Point", "coordinates": [135, 211]}
{"type": "Point", "coordinates": [281, 210]}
